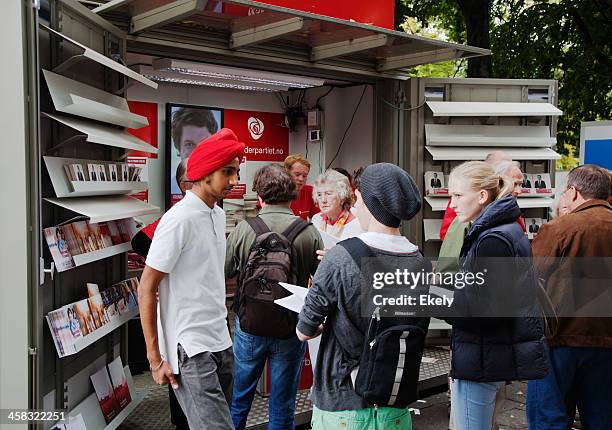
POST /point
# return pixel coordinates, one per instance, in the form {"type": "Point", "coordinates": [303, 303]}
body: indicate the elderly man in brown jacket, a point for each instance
{"type": "Point", "coordinates": [573, 254]}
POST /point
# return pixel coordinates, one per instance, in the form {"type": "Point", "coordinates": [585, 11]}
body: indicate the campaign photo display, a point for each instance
{"type": "Point", "coordinates": [112, 170]}
{"type": "Point", "coordinates": [532, 226]}
{"type": "Point", "coordinates": [536, 183]}
{"type": "Point", "coordinates": [435, 183]}
{"type": "Point", "coordinates": [186, 127]}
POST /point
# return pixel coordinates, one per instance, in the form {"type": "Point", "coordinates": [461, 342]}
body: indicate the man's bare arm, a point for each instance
{"type": "Point", "coordinates": [147, 300]}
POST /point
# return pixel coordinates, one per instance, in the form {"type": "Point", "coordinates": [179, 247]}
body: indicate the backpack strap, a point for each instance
{"type": "Point", "coordinates": [357, 249]}
{"type": "Point", "coordinates": [258, 225]}
{"type": "Point", "coordinates": [294, 229]}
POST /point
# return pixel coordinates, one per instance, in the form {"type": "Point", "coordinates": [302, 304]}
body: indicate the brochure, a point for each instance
{"type": "Point", "coordinates": [106, 394]}
{"type": "Point", "coordinates": [83, 313]}
{"type": "Point", "coordinates": [112, 169]}
{"type": "Point", "coordinates": [119, 381]}
{"type": "Point", "coordinates": [295, 303]}
{"type": "Point", "coordinates": [58, 247]}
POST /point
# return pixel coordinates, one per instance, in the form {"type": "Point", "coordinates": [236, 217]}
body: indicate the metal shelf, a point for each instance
{"type": "Point", "coordinates": [488, 135]}
{"type": "Point", "coordinates": [106, 208]}
{"type": "Point", "coordinates": [76, 98]}
{"type": "Point", "coordinates": [64, 187]}
{"type": "Point", "coordinates": [446, 153]}
{"type": "Point", "coordinates": [104, 135]}
{"type": "Point", "coordinates": [97, 334]}
{"type": "Point", "coordinates": [493, 109]}
{"type": "Point", "coordinates": [98, 58]}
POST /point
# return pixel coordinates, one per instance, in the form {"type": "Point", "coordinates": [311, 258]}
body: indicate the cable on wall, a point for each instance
{"type": "Point", "coordinates": [349, 126]}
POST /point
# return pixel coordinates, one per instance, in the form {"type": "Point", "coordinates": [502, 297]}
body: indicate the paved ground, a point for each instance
{"type": "Point", "coordinates": [431, 413]}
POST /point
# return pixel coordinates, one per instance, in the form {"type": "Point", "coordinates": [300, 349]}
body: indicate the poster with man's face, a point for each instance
{"type": "Point", "coordinates": [186, 127]}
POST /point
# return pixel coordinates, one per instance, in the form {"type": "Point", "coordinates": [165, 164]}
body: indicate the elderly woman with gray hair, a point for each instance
{"type": "Point", "coordinates": [333, 194]}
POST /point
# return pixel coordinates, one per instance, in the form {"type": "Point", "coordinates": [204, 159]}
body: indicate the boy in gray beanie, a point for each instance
{"type": "Point", "coordinates": [389, 193]}
{"type": "Point", "coordinates": [386, 195]}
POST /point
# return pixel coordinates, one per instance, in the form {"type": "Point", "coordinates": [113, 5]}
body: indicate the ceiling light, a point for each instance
{"type": "Point", "coordinates": [235, 74]}
{"type": "Point", "coordinates": [171, 77]}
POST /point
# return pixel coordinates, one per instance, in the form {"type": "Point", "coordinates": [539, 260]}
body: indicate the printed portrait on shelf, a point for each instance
{"type": "Point", "coordinates": [186, 127]}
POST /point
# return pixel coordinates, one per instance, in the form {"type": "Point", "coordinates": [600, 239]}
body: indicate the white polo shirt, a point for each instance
{"type": "Point", "coordinates": [189, 245]}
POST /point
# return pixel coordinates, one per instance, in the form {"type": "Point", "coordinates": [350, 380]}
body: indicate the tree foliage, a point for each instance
{"type": "Point", "coordinates": [567, 40]}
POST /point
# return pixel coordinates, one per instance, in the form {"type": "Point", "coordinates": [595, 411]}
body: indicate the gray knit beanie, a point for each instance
{"type": "Point", "coordinates": [389, 193]}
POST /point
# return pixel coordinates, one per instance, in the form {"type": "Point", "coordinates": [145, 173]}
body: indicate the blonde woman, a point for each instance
{"type": "Point", "coordinates": [497, 335]}
{"type": "Point", "coordinates": [333, 194]}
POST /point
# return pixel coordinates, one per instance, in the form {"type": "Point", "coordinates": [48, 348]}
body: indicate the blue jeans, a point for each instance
{"type": "Point", "coordinates": [579, 377]}
{"type": "Point", "coordinates": [473, 404]}
{"type": "Point", "coordinates": [285, 360]}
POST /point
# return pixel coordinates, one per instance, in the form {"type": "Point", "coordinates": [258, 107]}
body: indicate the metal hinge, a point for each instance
{"type": "Point", "coordinates": [32, 351]}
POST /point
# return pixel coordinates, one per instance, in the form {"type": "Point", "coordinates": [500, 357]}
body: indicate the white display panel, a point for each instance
{"type": "Point", "coordinates": [492, 109]}
{"type": "Point", "coordinates": [103, 135]}
{"type": "Point", "coordinates": [431, 229]}
{"type": "Point", "coordinates": [488, 135]}
{"type": "Point", "coordinates": [437, 203]}
{"type": "Point", "coordinates": [104, 60]}
{"type": "Point", "coordinates": [106, 208]}
{"type": "Point", "coordinates": [480, 153]}
{"type": "Point", "coordinates": [76, 98]}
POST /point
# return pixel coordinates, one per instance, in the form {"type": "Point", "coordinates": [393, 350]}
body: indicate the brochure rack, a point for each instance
{"type": "Point", "coordinates": [83, 117]}
{"type": "Point", "coordinates": [99, 333]}
{"type": "Point", "coordinates": [466, 119]}
{"type": "Point", "coordinates": [90, 257]}
{"type": "Point", "coordinates": [65, 187]}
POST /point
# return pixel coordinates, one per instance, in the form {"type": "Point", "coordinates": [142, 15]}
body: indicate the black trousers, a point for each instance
{"type": "Point", "coordinates": [177, 416]}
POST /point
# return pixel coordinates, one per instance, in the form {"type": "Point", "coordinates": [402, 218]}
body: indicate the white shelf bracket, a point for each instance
{"type": "Point", "coordinates": [44, 271]}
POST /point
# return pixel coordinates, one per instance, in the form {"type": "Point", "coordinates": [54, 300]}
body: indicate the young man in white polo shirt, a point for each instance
{"type": "Point", "coordinates": [188, 341]}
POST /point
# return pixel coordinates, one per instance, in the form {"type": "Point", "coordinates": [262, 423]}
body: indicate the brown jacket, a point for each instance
{"type": "Point", "coordinates": [579, 286]}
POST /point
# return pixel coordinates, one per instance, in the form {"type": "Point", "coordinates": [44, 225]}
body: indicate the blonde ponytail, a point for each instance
{"type": "Point", "coordinates": [481, 176]}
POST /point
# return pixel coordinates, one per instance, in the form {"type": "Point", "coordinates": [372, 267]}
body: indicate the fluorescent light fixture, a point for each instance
{"type": "Point", "coordinates": [175, 78]}
{"type": "Point", "coordinates": [235, 75]}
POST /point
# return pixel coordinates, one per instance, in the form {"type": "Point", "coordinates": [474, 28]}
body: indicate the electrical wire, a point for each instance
{"type": "Point", "coordinates": [323, 96]}
{"type": "Point", "coordinates": [321, 157]}
{"type": "Point", "coordinates": [401, 108]}
{"type": "Point", "coordinates": [348, 127]}
{"type": "Point", "coordinates": [306, 142]}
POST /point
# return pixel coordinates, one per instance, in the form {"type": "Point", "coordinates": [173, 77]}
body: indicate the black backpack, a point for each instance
{"type": "Point", "coordinates": [390, 360]}
{"type": "Point", "coordinates": [272, 259]}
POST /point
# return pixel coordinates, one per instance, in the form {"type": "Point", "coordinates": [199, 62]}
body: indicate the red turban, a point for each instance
{"type": "Point", "coordinates": [213, 153]}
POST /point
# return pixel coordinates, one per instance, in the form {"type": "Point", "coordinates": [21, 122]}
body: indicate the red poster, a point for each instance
{"type": "Point", "coordinates": [378, 13]}
{"type": "Point", "coordinates": [148, 133]}
{"type": "Point", "coordinates": [264, 133]}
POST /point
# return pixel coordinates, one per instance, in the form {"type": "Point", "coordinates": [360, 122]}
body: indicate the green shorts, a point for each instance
{"type": "Point", "coordinates": [362, 419]}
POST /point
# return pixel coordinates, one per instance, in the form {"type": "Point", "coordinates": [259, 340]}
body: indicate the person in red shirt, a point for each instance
{"type": "Point", "coordinates": [304, 206]}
